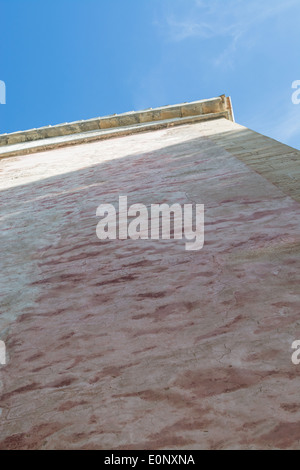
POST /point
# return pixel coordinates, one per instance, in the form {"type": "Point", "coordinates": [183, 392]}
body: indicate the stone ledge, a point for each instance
{"type": "Point", "coordinates": [221, 104]}
{"type": "Point", "coordinates": [63, 140]}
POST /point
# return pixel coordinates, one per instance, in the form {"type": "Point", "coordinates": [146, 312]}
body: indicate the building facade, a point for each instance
{"type": "Point", "coordinates": [141, 344]}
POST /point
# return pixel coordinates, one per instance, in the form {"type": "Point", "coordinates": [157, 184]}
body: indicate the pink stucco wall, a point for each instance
{"type": "Point", "coordinates": [141, 344]}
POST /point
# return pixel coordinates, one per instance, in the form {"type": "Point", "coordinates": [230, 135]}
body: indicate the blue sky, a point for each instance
{"type": "Point", "coordinates": [67, 60]}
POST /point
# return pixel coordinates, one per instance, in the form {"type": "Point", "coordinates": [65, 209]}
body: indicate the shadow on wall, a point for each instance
{"type": "Point", "coordinates": [128, 329]}
{"type": "Point", "coordinates": [44, 223]}
{"type": "Point", "coordinates": [48, 227]}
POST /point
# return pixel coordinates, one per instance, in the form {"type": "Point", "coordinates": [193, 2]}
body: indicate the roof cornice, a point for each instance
{"type": "Point", "coordinates": [46, 138]}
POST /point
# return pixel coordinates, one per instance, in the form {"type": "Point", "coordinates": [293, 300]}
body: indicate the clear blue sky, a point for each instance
{"type": "Point", "coordinates": [65, 60]}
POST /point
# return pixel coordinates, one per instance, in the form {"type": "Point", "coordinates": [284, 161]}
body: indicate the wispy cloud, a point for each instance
{"type": "Point", "coordinates": [232, 21]}
{"type": "Point", "coordinates": [212, 18]}
{"type": "Point", "coordinates": [279, 120]}
{"type": "Point", "coordinates": [288, 127]}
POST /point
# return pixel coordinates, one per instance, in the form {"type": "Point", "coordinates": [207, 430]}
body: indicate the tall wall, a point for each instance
{"type": "Point", "coordinates": [140, 344]}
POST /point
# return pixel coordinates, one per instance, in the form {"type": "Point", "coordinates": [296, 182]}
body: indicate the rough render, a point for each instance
{"type": "Point", "coordinates": [141, 344]}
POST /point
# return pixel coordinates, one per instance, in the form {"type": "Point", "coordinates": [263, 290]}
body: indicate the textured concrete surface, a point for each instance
{"type": "Point", "coordinates": [141, 344]}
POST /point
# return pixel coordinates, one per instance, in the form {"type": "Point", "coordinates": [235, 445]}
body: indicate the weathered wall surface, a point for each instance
{"type": "Point", "coordinates": [141, 344]}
